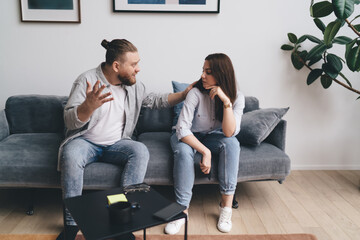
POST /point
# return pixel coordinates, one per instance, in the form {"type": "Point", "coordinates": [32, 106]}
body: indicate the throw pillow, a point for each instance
{"type": "Point", "coordinates": [258, 124]}
{"type": "Point", "coordinates": [178, 87]}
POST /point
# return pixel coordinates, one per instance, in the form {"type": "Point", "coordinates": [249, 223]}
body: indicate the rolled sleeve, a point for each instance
{"type": "Point", "coordinates": [155, 100]}
{"type": "Point", "coordinates": [238, 110]}
{"type": "Point", "coordinates": [71, 119]}
{"type": "Point", "coordinates": [181, 133]}
{"type": "Point", "coordinates": [184, 124]}
{"type": "Point", "coordinates": [77, 96]}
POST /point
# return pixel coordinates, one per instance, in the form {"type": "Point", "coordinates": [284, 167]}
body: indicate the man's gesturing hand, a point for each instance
{"type": "Point", "coordinates": [94, 99]}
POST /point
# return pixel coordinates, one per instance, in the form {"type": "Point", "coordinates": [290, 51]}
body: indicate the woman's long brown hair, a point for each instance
{"type": "Point", "coordinates": [224, 74]}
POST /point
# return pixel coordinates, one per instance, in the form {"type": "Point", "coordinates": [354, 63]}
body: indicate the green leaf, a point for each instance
{"type": "Point", "coordinates": [347, 80]}
{"type": "Point", "coordinates": [301, 39]}
{"type": "Point", "coordinates": [342, 60]}
{"type": "Point", "coordinates": [342, 40]}
{"type": "Point", "coordinates": [314, 59]}
{"type": "Point", "coordinates": [292, 37]}
{"type": "Point", "coordinates": [357, 27]}
{"type": "Point", "coordinates": [329, 70]}
{"type": "Point", "coordinates": [313, 39]}
{"type": "Point", "coordinates": [330, 31]}
{"type": "Point", "coordinates": [335, 62]}
{"type": "Point", "coordinates": [343, 8]}
{"type": "Point", "coordinates": [319, 24]}
{"type": "Point", "coordinates": [287, 47]}
{"type": "Point", "coordinates": [321, 9]}
{"type": "Point", "coordinates": [349, 47]}
{"type": "Point", "coordinates": [313, 75]}
{"type": "Point", "coordinates": [310, 37]}
{"type": "Point", "coordinates": [355, 17]}
{"type": "Point", "coordinates": [333, 66]}
{"type": "Point", "coordinates": [356, 1]}
{"type": "Point", "coordinates": [297, 47]}
{"type": "Point", "coordinates": [342, 22]}
{"type": "Point", "coordinates": [353, 59]}
{"type": "Point", "coordinates": [296, 60]}
{"type": "Point", "coordinates": [303, 55]}
{"type": "Point", "coordinates": [326, 81]}
{"type": "Point", "coordinates": [317, 50]}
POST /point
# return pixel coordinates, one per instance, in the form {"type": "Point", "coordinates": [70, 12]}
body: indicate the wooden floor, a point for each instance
{"type": "Point", "coordinates": [324, 203]}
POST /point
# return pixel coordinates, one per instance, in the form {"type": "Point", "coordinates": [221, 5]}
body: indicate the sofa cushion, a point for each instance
{"type": "Point", "coordinates": [43, 114]}
{"type": "Point", "coordinates": [30, 160]}
{"type": "Point", "coordinates": [101, 175]}
{"type": "Point", "coordinates": [257, 125]}
{"type": "Point", "coordinates": [178, 87]}
{"type": "Point", "coordinates": [4, 127]}
{"type": "Point", "coordinates": [251, 104]}
{"type": "Point", "coordinates": [263, 162]}
{"type": "Point", "coordinates": [154, 120]}
{"type": "Point", "coordinates": [160, 166]}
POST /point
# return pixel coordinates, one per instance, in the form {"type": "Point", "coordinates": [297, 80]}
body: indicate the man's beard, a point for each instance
{"type": "Point", "coordinates": [126, 80]}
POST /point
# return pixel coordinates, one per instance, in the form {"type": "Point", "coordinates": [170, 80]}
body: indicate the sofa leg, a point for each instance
{"type": "Point", "coordinates": [280, 181]}
{"type": "Point", "coordinates": [30, 201]}
{"type": "Point", "coordinates": [235, 203]}
{"type": "Point", "coordinates": [30, 210]}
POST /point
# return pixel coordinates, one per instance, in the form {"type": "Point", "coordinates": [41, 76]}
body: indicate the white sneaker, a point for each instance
{"type": "Point", "coordinates": [224, 223]}
{"type": "Point", "coordinates": [174, 226]}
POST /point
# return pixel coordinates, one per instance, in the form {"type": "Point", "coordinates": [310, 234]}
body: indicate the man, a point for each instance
{"type": "Point", "coordinates": [100, 116]}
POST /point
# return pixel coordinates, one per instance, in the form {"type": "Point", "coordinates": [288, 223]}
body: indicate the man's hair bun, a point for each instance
{"type": "Point", "coordinates": [116, 49]}
{"type": "Point", "coordinates": [105, 43]}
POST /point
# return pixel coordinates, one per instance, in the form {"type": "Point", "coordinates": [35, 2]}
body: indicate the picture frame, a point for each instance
{"type": "Point", "coordinates": [60, 11]}
{"type": "Point", "coordinates": [167, 6]}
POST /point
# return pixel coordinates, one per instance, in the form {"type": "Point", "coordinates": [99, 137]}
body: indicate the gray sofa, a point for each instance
{"type": "Point", "coordinates": [32, 128]}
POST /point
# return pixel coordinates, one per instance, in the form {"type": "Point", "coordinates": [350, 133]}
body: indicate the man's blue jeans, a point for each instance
{"type": "Point", "coordinates": [227, 149]}
{"type": "Point", "coordinates": [133, 156]}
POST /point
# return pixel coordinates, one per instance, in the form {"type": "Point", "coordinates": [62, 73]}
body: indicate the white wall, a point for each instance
{"type": "Point", "coordinates": [323, 125]}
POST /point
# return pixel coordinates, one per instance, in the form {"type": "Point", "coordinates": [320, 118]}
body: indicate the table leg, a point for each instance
{"type": "Point", "coordinates": [186, 226]}
{"type": "Point", "coordinates": [144, 233]}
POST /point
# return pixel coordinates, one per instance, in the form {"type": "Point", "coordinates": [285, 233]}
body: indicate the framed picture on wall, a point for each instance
{"type": "Point", "coordinates": [168, 6]}
{"type": "Point", "coordinates": [66, 11]}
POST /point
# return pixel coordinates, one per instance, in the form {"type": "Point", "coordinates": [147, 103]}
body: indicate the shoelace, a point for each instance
{"type": "Point", "coordinates": [225, 216]}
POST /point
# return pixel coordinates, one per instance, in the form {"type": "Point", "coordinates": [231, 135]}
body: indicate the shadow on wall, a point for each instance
{"type": "Point", "coordinates": [313, 96]}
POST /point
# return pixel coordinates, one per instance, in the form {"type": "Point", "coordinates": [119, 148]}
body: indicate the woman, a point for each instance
{"type": "Point", "coordinates": [208, 123]}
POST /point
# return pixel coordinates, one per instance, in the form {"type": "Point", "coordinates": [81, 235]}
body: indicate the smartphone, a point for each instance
{"type": "Point", "coordinates": [169, 211]}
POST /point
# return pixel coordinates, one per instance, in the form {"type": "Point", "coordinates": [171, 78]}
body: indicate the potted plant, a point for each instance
{"type": "Point", "coordinates": [332, 64]}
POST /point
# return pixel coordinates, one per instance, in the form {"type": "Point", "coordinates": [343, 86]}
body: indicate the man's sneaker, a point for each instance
{"type": "Point", "coordinates": [224, 223]}
{"type": "Point", "coordinates": [174, 226]}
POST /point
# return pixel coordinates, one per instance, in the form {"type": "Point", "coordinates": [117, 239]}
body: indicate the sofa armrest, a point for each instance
{"type": "Point", "coordinates": [278, 135]}
{"type": "Point", "coordinates": [4, 126]}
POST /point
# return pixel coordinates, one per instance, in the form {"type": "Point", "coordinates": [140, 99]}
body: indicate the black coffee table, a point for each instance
{"type": "Point", "coordinates": [91, 213]}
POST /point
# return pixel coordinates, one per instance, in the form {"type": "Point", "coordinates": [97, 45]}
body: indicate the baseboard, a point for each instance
{"type": "Point", "coordinates": [324, 167]}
